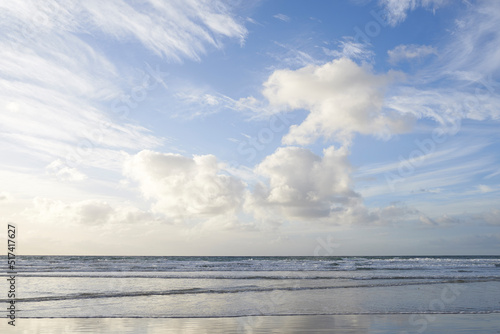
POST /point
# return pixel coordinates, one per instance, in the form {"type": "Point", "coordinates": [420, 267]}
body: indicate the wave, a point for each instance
{"type": "Point", "coordinates": [225, 290]}
{"type": "Point", "coordinates": [194, 316]}
{"type": "Point", "coordinates": [223, 263]}
{"type": "Point", "coordinates": [298, 276]}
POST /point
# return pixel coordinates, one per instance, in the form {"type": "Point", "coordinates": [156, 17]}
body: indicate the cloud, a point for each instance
{"type": "Point", "coordinates": [397, 10]}
{"type": "Point", "coordinates": [5, 197]}
{"type": "Point", "coordinates": [492, 217]}
{"type": "Point", "coordinates": [488, 216]}
{"type": "Point", "coordinates": [293, 183]}
{"type": "Point", "coordinates": [292, 55]}
{"type": "Point", "coordinates": [463, 79]}
{"type": "Point", "coordinates": [282, 17]}
{"type": "Point", "coordinates": [427, 221]}
{"type": "Point", "coordinates": [185, 189]}
{"type": "Point", "coordinates": [64, 173]}
{"type": "Point", "coordinates": [193, 102]}
{"type": "Point", "coordinates": [300, 184]}
{"type": "Point", "coordinates": [58, 91]}
{"type": "Point", "coordinates": [87, 212]}
{"type": "Point", "coordinates": [63, 98]}
{"type": "Point", "coordinates": [472, 53]}
{"type": "Point", "coordinates": [352, 50]}
{"type": "Point", "coordinates": [173, 29]}
{"type": "Point", "coordinates": [484, 188]}
{"type": "Point", "coordinates": [342, 98]}
{"type": "Point", "coordinates": [409, 52]}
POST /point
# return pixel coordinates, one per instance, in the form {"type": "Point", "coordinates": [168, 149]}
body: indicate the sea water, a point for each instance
{"type": "Point", "coordinates": [220, 286]}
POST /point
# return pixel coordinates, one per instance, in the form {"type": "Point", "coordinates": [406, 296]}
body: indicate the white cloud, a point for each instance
{"type": "Point", "coordinates": [301, 184]}
{"type": "Point", "coordinates": [63, 172]}
{"type": "Point", "coordinates": [291, 184]}
{"type": "Point", "coordinates": [61, 94]}
{"type": "Point", "coordinates": [342, 98]}
{"type": "Point", "coordinates": [55, 124]}
{"type": "Point", "coordinates": [282, 17]}
{"type": "Point", "coordinates": [397, 10]}
{"type": "Point", "coordinates": [426, 153]}
{"type": "Point", "coordinates": [56, 91]}
{"type": "Point", "coordinates": [473, 52]}
{"type": "Point", "coordinates": [352, 50]}
{"type": "Point", "coordinates": [409, 52]}
{"type": "Point", "coordinates": [87, 212]}
{"type": "Point", "coordinates": [484, 188]}
{"type": "Point", "coordinates": [184, 188]}
{"type": "Point", "coordinates": [463, 77]}
{"type": "Point", "coordinates": [292, 54]}
{"type": "Point", "coordinates": [195, 102]}
{"type": "Point", "coordinates": [173, 29]}
{"type": "Point", "coordinates": [495, 173]}
{"type": "Point", "coordinates": [410, 179]}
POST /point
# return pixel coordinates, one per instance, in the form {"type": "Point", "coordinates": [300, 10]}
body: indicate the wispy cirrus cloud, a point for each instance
{"type": "Point", "coordinates": [282, 17]}
{"type": "Point", "coordinates": [348, 48]}
{"type": "Point", "coordinates": [439, 171]}
{"type": "Point", "coordinates": [397, 10]}
{"type": "Point", "coordinates": [59, 89]}
{"type": "Point", "coordinates": [174, 29]}
{"type": "Point", "coordinates": [460, 82]}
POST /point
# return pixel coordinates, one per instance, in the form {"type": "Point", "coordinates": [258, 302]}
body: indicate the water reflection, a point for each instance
{"type": "Point", "coordinates": [444, 323]}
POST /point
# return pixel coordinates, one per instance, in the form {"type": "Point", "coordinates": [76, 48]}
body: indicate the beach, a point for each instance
{"type": "Point", "coordinates": [256, 294]}
{"type": "Point", "coordinates": [441, 323]}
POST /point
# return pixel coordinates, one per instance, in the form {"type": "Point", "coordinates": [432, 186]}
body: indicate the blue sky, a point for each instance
{"type": "Point", "coordinates": [251, 127]}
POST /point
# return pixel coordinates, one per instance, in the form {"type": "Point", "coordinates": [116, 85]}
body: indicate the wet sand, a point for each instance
{"type": "Point", "coordinates": [394, 323]}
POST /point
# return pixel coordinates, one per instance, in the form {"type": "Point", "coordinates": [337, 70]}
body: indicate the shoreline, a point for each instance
{"type": "Point", "coordinates": [377, 314]}
{"type": "Point", "coordinates": [353, 323]}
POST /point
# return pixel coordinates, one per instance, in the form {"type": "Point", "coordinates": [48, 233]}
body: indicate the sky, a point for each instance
{"type": "Point", "coordinates": [200, 127]}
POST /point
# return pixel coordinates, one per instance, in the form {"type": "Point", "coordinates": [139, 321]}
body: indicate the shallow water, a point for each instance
{"type": "Point", "coordinates": [341, 324]}
{"type": "Point", "coordinates": [215, 287]}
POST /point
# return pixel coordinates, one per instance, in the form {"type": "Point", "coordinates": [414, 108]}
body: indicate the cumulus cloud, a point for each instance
{"type": "Point", "coordinates": [397, 10]}
{"type": "Point", "coordinates": [409, 52]}
{"type": "Point", "coordinates": [342, 98]}
{"type": "Point", "coordinates": [293, 183]}
{"type": "Point", "coordinates": [185, 188]}
{"type": "Point", "coordinates": [300, 184]}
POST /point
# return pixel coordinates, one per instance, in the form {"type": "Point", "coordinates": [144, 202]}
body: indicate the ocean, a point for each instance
{"type": "Point", "coordinates": [416, 288]}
